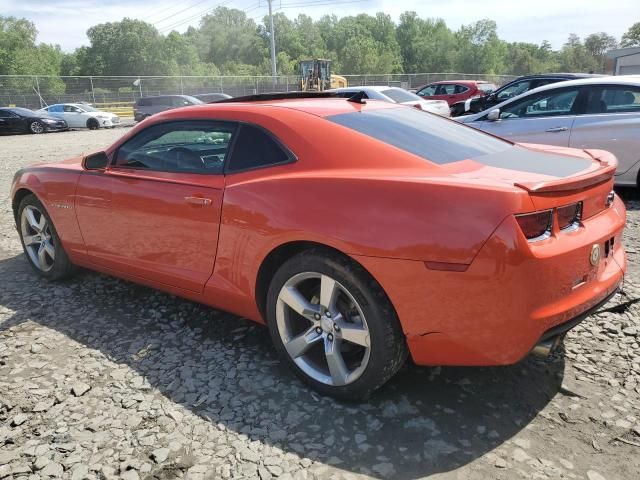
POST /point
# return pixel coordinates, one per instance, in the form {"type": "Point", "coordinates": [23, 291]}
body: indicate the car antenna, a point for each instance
{"type": "Point", "coordinates": [358, 98]}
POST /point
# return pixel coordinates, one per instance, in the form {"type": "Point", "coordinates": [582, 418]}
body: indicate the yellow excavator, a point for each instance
{"type": "Point", "coordinates": [315, 76]}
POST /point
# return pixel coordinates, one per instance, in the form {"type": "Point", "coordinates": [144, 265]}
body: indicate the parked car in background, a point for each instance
{"type": "Point", "coordinates": [358, 232]}
{"type": "Point", "coordinates": [396, 95]}
{"type": "Point", "coordinates": [602, 112]}
{"type": "Point", "coordinates": [453, 91]}
{"type": "Point", "coordinates": [82, 115]}
{"type": "Point", "coordinates": [147, 106]}
{"type": "Point", "coordinates": [212, 97]}
{"type": "Point", "coordinates": [512, 89]}
{"type": "Point", "coordinates": [23, 120]}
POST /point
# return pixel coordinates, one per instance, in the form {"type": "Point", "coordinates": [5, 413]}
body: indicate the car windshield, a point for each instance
{"type": "Point", "coordinates": [22, 111]}
{"type": "Point", "coordinates": [486, 87]}
{"type": "Point", "coordinates": [428, 136]}
{"type": "Point", "coordinates": [399, 95]}
{"type": "Point", "coordinates": [88, 108]}
{"type": "Point", "coordinates": [193, 100]}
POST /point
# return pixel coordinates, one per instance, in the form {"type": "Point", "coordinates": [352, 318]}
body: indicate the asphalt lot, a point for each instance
{"type": "Point", "coordinates": [100, 378]}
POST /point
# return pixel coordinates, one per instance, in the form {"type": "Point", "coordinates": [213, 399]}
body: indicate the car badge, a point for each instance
{"type": "Point", "coordinates": [609, 201]}
{"type": "Point", "coordinates": [595, 254]}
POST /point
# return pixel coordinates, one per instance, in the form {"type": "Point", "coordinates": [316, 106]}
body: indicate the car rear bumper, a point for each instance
{"type": "Point", "coordinates": [497, 310]}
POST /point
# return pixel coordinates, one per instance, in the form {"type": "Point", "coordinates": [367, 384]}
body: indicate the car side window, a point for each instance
{"type": "Point", "coordinates": [192, 146]}
{"type": "Point", "coordinates": [7, 114]}
{"type": "Point", "coordinates": [613, 99]}
{"type": "Point", "coordinates": [514, 90]}
{"type": "Point", "coordinates": [71, 109]}
{"type": "Point", "coordinates": [460, 89]}
{"type": "Point", "coordinates": [446, 89]}
{"type": "Point", "coordinates": [544, 104]}
{"type": "Point", "coordinates": [254, 147]}
{"type": "Point", "coordinates": [428, 91]}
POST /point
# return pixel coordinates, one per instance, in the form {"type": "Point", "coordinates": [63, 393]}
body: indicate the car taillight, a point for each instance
{"type": "Point", "coordinates": [536, 226]}
{"type": "Point", "coordinates": [569, 216]}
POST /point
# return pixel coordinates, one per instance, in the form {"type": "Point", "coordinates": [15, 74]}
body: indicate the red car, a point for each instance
{"type": "Point", "coordinates": [358, 231]}
{"type": "Point", "coordinates": [455, 90]}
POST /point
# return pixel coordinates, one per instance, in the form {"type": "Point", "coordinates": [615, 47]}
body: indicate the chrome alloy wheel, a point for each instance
{"type": "Point", "coordinates": [323, 329]}
{"type": "Point", "coordinates": [37, 238]}
{"type": "Point", "coordinates": [36, 127]}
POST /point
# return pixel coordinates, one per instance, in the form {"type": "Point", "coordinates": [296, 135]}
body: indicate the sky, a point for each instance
{"type": "Point", "coordinates": [65, 22]}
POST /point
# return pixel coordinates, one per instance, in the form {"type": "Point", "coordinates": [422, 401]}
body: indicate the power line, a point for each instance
{"type": "Point", "coordinates": [193, 17]}
{"type": "Point", "coordinates": [173, 15]}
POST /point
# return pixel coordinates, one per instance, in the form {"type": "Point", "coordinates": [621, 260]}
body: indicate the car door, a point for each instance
{"type": "Point", "coordinates": [611, 121]}
{"type": "Point", "coordinates": [10, 122]}
{"type": "Point", "coordinates": [154, 213]}
{"type": "Point", "coordinates": [545, 117]}
{"type": "Point", "coordinates": [74, 116]}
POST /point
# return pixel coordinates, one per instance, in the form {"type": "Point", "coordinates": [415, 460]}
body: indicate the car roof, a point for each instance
{"type": "Point", "coordinates": [462, 82]}
{"type": "Point", "coordinates": [560, 75]}
{"type": "Point", "coordinates": [321, 107]}
{"type": "Point", "coordinates": [375, 88]}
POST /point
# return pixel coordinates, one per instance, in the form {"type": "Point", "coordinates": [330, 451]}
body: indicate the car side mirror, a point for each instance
{"type": "Point", "coordinates": [96, 161]}
{"type": "Point", "coordinates": [494, 115]}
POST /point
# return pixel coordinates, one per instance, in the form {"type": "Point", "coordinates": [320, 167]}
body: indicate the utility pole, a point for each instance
{"type": "Point", "coordinates": [273, 45]}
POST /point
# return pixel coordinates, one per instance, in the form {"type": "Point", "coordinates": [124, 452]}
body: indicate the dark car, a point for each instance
{"type": "Point", "coordinates": [23, 120]}
{"type": "Point", "coordinates": [147, 106]}
{"type": "Point", "coordinates": [212, 97]}
{"type": "Point", "coordinates": [512, 89]}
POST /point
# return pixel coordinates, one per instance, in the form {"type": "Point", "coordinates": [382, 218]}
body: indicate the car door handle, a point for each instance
{"type": "Point", "coordinates": [198, 201]}
{"type": "Point", "coordinates": [556, 129]}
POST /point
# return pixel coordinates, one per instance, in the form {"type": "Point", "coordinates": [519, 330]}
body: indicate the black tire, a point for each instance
{"type": "Point", "coordinates": [36, 127]}
{"type": "Point", "coordinates": [60, 267]}
{"type": "Point", "coordinates": [388, 350]}
{"type": "Point", "coordinates": [93, 124]}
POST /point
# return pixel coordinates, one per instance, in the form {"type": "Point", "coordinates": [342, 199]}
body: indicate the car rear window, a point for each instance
{"type": "Point", "coordinates": [398, 95]}
{"type": "Point", "coordinates": [428, 136]}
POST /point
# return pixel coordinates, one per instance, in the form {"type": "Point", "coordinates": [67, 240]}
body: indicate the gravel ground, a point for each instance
{"type": "Point", "coordinates": [100, 378]}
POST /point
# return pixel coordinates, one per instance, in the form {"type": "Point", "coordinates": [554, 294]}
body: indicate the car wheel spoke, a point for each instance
{"type": "Point", "coordinates": [33, 223]}
{"type": "Point", "coordinates": [31, 239]}
{"type": "Point", "coordinates": [296, 301]}
{"type": "Point", "coordinates": [42, 257]}
{"type": "Point", "coordinates": [328, 292]}
{"type": "Point", "coordinates": [302, 343]}
{"type": "Point", "coordinates": [354, 333]}
{"type": "Point", "coordinates": [337, 368]}
{"type": "Point", "coordinates": [50, 249]}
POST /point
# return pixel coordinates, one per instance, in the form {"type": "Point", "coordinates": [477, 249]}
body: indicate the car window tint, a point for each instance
{"type": "Point", "coordinates": [187, 146]}
{"type": "Point", "coordinates": [613, 99]}
{"type": "Point", "coordinates": [428, 91]}
{"type": "Point", "coordinates": [544, 104]}
{"type": "Point", "coordinates": [446, 89]}
{"type": "Point", "coordinates": [255, 148]}
{"type": "Point", "coordinates": [399, 95]}
{"type": "Point", "coordinates": [6, 114]}
{"type": "Point", "coordinates": [514, 90]}
{"type": "Point", "coordinates": [428, 136]}
{"type": "Point", "coordinates": [460, 89]}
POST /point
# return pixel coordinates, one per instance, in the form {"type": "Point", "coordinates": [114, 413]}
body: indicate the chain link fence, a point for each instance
{"type": "Point", "coordinates": [37, 91]}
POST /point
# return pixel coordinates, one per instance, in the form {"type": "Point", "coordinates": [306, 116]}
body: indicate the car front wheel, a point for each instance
{"type": "Point", "coordinates": [36, 127]}
{"type": "Point", "coordinates": [333, 325]}
{"type": "Point", "coordinates": [40, 240]}
{"type": "Point", "coordinates": [93, 124]}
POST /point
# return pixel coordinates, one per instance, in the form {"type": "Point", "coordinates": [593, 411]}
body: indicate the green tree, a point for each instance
{"type": "Point", "coordinates": [632, 36]}
{"type": "Point", "coordinates": [597, 45]}
{"type": "Point", "coordinates": [479, 50]}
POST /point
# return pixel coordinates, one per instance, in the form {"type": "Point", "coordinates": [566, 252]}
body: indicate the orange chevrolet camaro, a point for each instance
{"type": "Point", "coordinates": [358, 232]}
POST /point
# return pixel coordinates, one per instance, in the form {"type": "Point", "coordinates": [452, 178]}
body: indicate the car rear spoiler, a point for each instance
{"type": "Point", "coordinates": [608, 165]}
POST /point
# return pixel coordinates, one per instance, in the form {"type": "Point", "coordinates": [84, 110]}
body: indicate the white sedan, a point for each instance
{"type": "Point", "coordinates": [397, 95]}
{"type": "Point", "coordinates": [81, 115]}
{"type": "Point", "coordinates": [591, 113]}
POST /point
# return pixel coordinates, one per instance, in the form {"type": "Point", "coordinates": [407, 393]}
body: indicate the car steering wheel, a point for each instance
{"type": "Point", "coordinates": [187, 160]}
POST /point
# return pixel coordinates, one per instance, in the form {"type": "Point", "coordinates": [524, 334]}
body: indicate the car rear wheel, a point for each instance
{"type": "Point", "coordinates": [36, 127]}
{"type": "Point", "coordinates": [93, 124]}
{"type": "Point", "coordinates": [333, 325]}
{"type": "Point", "coordinates": [40, 241]}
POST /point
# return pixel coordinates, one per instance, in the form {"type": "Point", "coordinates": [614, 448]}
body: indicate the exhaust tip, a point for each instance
{"type": "Point", "coordinates": [546, 347]}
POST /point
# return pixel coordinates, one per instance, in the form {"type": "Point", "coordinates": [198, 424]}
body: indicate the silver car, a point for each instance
{"type": "Point", "coordinates": [598, 113]}
{"type": "Point", "coordinates": [397, 95]}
